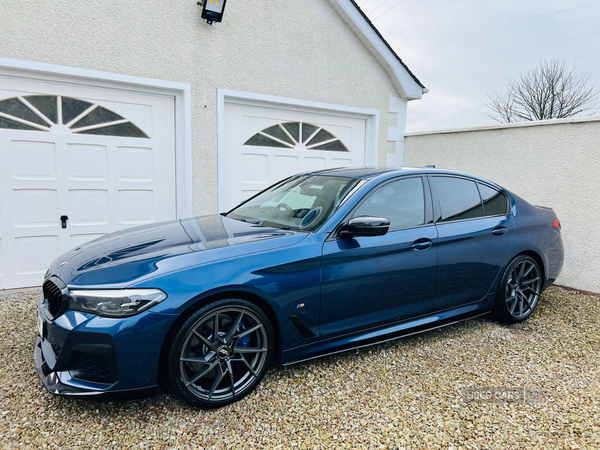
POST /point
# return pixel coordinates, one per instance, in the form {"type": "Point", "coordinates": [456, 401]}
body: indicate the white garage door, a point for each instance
{"type": "Point", "coordinates": [104, 159]}
{"type": "Point", "coordinates": [264, 145]}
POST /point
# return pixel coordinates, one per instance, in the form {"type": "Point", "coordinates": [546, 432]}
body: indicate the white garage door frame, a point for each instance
{"type": "Point", "coordinates": [371, 116]}
{"type": "Point", "coordinates": [181, 92]}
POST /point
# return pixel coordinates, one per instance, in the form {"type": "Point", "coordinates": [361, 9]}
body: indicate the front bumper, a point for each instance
{"type": "Point", "coordinates": [52, 380]}
{"type": "Point", "coordinates": [84, 354]}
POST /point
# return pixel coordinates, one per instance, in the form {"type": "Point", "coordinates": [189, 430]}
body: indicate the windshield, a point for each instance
{"type": "Point", "coordinates": [301, 203]}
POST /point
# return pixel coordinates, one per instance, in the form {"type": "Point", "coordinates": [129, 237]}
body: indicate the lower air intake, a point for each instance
{"type": "Point", "coordinates": [90, 367]}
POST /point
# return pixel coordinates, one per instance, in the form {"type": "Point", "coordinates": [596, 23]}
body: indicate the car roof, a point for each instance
{"type": "Point", "coordinates": [360, 172]}
{"type": "Point", "coordinates": [366, 173]}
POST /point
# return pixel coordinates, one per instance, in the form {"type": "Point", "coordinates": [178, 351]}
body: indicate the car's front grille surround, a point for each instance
{"type": "Point", "coordinates": [54, 295]}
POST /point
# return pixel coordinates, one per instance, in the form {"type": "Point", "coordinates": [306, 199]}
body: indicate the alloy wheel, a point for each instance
{"type": "Point", "coordinates": [223, 355]}
{"type": "Point", "coordinates": [523, 288]}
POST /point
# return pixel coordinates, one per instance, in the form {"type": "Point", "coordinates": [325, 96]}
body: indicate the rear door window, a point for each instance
{"type": "Point", "coordinates": [459, 198]}
{"type": "Point", "coordinates": [494, 201]}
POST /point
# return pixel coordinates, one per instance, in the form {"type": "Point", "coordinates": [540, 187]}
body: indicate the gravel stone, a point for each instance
{"type": "Point", "coordinates": [406, 394]}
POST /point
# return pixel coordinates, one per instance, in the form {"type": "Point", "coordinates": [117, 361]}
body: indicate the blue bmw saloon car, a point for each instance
{"type": "Point", "coordinates": [319, 263]}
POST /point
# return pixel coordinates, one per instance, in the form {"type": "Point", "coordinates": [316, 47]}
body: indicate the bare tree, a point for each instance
{"type": "Point", "coordinates": [552, 90]}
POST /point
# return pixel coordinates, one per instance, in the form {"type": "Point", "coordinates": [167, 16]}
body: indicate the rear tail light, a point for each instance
{"type": "Point", "coordinates": [556, 223]}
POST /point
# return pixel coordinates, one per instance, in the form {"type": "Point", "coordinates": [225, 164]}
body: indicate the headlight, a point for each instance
{"type": "Point", "coordinates": [115, 303]}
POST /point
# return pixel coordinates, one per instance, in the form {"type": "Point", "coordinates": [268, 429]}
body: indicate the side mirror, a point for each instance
{"type": "Point", "coordinates": [365, 226]}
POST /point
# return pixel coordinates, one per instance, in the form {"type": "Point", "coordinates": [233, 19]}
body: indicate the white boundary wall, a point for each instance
{"type": "Point", "coordinates": [552, 163]}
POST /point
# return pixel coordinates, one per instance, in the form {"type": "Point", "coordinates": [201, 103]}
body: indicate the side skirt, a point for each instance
{"type": "Point", "coordinates": [389, 333]}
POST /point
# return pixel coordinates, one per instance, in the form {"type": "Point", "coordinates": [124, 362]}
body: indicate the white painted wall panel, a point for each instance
{"type": "Point", "coordinates": [254, 168]}
{"type": "Point", "coordinates": [88, 162]}
{"type": "Point", "coordinates": [135, 164]}
{"type": "Point", "coordinates": [286, 166]}
{"type": "Point", "coordinates": [35, 207]}
{"type": "Point", "coordinates": [34, 254]}
{"type": "Point", "coordinates": [136, 207]}
{"type": "Point", "coordinates": [312, 163]}
{"type": "Point", "coordinates": [341, 162]}
{"type": "Point", "coordinates": [34, 160]}
{"type": "Point", "coordinates": [89, 207]}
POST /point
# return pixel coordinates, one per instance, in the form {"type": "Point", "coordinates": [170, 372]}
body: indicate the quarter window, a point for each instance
{"type": "Point", "coordinates": [494, 201]}
{"type": "Point", "coordinates": [459, 198]}
{"type": "Point", "coordinates": [401, 202]}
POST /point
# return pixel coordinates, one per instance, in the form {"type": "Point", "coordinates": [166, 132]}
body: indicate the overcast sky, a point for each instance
{"type": "Point", "coordinates": [463, 49]}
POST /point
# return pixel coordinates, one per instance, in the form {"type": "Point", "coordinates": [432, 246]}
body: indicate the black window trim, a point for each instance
{"type": "Point", "coordinates": [437, 209]}
{"type": "Point", "coordinates": [427, 196]}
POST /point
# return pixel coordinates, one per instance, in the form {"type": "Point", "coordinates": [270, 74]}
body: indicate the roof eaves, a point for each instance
{"type": "Point", "coordinates": [407, 83]}
{"type": "Point", "coordinates": [387, 44]}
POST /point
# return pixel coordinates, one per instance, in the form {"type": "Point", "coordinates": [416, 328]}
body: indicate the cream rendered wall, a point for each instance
{"type": "Point", "coordinates": [553, 163]}
{"type": "Point", "coordinates": [299, 49]}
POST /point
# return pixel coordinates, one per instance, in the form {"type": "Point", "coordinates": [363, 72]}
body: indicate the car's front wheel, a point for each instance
{"type": "Point", "coordinates": [221, 353]}
{"type": "Point", "coordinates": [519, 290]}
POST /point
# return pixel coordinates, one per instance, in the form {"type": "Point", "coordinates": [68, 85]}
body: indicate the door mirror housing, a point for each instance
{"type": "Point", "coordinates": [365, 226]}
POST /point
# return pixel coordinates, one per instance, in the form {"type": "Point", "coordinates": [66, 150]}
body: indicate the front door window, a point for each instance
{"type": "Point", "coordinates": [401, 202]}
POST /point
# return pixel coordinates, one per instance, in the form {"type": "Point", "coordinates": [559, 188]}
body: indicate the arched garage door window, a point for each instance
{"type": "Point", "coordinates": [45, 112]}
{"type": "Point", "coordinates": [297, 135]}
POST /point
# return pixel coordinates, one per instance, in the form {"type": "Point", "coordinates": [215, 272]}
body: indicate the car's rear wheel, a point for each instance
{"type": "Point", "coordinates": [519, 291]}
{"type": "Point", "coordinates": [221, 353]}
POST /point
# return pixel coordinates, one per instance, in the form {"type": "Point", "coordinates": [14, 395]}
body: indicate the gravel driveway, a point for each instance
{"type": "Point", "coordinates": [403, 394]}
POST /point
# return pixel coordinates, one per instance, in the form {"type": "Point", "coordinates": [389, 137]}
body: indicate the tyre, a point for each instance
{"type": "Point", "coordinates": [519, 290]}
{"type": "Point", "coordinates": [221, 353]}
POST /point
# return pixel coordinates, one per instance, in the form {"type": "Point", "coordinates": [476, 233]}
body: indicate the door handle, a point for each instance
{"type": "Point", "coordinates": [499, 231]}
{"type": "Point", "coordinates": [422, 244]}
{"type": "Point", "coordinates": [63, 221]}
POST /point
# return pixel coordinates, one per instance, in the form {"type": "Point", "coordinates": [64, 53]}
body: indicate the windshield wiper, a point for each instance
{"type": "Point", "coordinates": [252, 221]}
{"type": "Point", "coordinates": [261, 223]}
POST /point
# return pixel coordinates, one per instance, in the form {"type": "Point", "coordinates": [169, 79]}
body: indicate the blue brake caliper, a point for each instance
{"type": "Point", "coordinates": [243, 342]}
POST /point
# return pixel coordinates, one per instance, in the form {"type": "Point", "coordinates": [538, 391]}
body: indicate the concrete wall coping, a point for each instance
{"type": "Point", "coordinates": [535, 123]}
